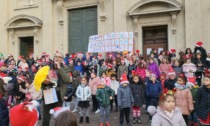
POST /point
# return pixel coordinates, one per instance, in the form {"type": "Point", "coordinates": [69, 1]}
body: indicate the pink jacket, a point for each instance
{"type": "Point", "coordinates": [93, 83]}
{"type": "Point", "coordinates": [184, 101]}
{"type": "Point", "coordinates": [141, 72]}
{"type": "Point", "coordinates": [186, 69]}
{"type": "Point", "coordinates": [108, 81]}
{"type": "Point", "coordinates": [165, 68]}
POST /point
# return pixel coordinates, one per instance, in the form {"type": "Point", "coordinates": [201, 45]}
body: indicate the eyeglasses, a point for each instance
{"type": "Point", "coordinates": [58, 57]}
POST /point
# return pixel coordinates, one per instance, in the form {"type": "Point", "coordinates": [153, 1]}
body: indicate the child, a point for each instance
{"type": "Point", "coordinates": [93, 82]}
{"type": "Point", "coordinates": [106, 78]}
{"type": "Point", "coordinates": [110, 70]}
{"type": "Point", "coordinates": [153, 67]}
{"type": "Point", "coordinates": [68, 95]}
{"type": "Point", "coordinates": [131, 67]}
{"type": "Point", "coordinates": [66, 118]}
{"type": "Point", "coordinates": [121, 69]}
{"type": "Point", "coordinates": [138, 91]}
{"type": "Point", "coordinates": [167, 113]}
{"type": "Point", "coordinates": [200, 67]}
{"type": "Point", "coordinates": [207, 61]}
{"type": "Point", "coordinates": [19, 95]}
{"type": "Point", "coordinates": [153, 90]}
{"type": "Point", "coordinates": [114, 86]}
{"type": "Point", "coordinates": [165, 66]}
{"type": "Point", "coordinates": [189, 68]}
{"type": "Point", "coordinates": [78, 67]}
{"type": "Point", "coordinates": [177, 67]}
{"type": "Point", "coordinates": [124, 99]}
{"type": "Point", "coordinates": [141, 71]}
{"type": "Point", "coordinates": [102, 69]}
{"type": "Point", "coordinates": [202, 101]}
{"type": "Point", "coordinates": [83, 93]}
{"type": "Point", "coordinates": [170, 82]}
{"type": "Point", "coordinates": [4, 118]}
{"type": "Point", "coordinates": [183, 97]}
{"type": "Point", "coordinates": [104, 94]}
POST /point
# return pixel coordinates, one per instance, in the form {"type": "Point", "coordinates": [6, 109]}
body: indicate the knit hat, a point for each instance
{"type": "Point", "coordinates": [152, 74]}
{"type": "Point", "coordinates": [58, 110]}
{"type": "Point", "coordinates": [24, 114]}
{"type": "Point", "coordinates": [99, 55]}
{"type": "Point", "coordinates": [137, 51]}
{"type": "Point", "coordinates": [171, 72]}
{"type": "Point", "coordinates": [123, 79]}
{"type": "Point", "coordinates": [199, 44]}
{"type": "Point", "coordinates": [110, 55]}
{"type": "Point", "coordinates": [207, 72]}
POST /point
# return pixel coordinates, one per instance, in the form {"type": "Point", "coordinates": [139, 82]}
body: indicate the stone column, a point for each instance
{"type": "Point", "coordinates": [136, 30]}
{"type": "Point", "coordinates": [173, 29]}
{"type": "Point", "coordinates": [12, 41]}
{"type": "Point", "coordinates": [60, 25]}
{"type": "Point", "coordinates": [36, 40]}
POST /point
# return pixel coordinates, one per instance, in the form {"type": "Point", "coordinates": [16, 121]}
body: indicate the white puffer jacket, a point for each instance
{"type": "Point", "coordinates": [83, 93]}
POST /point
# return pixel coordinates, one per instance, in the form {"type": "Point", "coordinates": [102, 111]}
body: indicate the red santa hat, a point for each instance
{"type": "Point", "coordinates": [39, 61]}
{"type": "Point", "coordinates": [2, 75]}
{"type": "Point", "coordinates": [70, 59]}
{"type": "Point", "coordinates": [162, 74]}
{"type": "Point", "coordinates": [207, 72]}
{"type": "Point", "coordinates": [109, 65]}
{"type": "Point", "coordinates": [58, 110]}
{"type": "Point", "coordinates": [43, 54]}
{"type": "Point", "coordinates": [191, 81]}
{"type": "Point", "coordinates": [72, 55]}
{"type": "Point", "coordinates": [99, 55]}
{"type": "Point", "coordinates": [172, 50]}
{"type": "Point", "coordinates": [79, 54]}
{"type": "Point", "coordinates": [137, 51]}
{"type": "Point", "coordinates": [110, 55]}
{"type": "Point", "coordinates": [24, 114]}
{"type": "Point", "coordinates": [21, 57]}
{"type": "Point", "coordinates": [124, 79]}
{"type": "Point", "coordinates": [188, 56]}
{"type": "Point", "coordinates": [22, 78]}
{"type": "Point", "coordinates": [199, 44]}
{"type": "Point", "coordinates": [171, 72]}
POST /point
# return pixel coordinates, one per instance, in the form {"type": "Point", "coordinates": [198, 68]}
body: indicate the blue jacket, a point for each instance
{"type": "Point", "coordinates": [153, 90]}
{"type": "Point", "coordinates": [4, 113]}
{"type": "Point", "coordinates": [124, 97]}
{"type": "Point", "coordinates": [78, 68]}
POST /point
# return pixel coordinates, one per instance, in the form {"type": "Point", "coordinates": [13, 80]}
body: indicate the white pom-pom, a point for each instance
{"type": "Point", "coordinates": [52, 111]}
{"type": "Point", "coordinates": [7, 79]}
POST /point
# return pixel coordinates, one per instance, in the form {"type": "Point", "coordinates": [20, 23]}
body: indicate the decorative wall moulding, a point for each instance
{"type": "Point", "coordinates": [103, 17]}
{"type": "Point", "coordinates": [25, 4]}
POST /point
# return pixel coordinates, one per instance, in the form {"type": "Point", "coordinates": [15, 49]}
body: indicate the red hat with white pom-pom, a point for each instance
{"type": "Point", "coordinates": [109, 65]}
{"type": "Point", "coordinates": [124, 79]}
{"type": "Point", "coordinates": [171, 72]}
{"type": "Point", "coordinates": [56, 111]}
{"type": "Point", "coordinates": [24, 114]}
{"type": "Point", "coordinates": [199, 44]}
{"type": "Point", "coordinates": [172, 50]}
{"type": "Point", "coordinates": [151, 74]}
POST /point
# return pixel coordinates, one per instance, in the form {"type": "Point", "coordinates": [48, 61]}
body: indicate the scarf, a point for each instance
{"type": "Point", "coordinates": [170, 114]}
{"type": "Point", "coordinates": [180, 87]}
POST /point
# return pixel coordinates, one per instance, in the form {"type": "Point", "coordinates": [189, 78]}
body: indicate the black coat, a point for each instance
{"type": "Point", "coordinates": [4, 113]}
{"type": "Point", "coordinates": [170, 84]}
{"type": "Point", "coordinates": [203, 52]}
{"type": "Point", "coordinates": [17, 91]}
{"type": "Point", "coordinates": [207, 64]}
{"type": "Point", "coordinates": [138, 92]}
{"type": "Point", "coordinates": [202, 101]}
{"type": "Point", "coordinates": [69, 92]}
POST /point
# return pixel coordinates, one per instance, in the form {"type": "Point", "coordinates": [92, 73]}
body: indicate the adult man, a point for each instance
{"type": "Point", "coordinates": [62, 79]}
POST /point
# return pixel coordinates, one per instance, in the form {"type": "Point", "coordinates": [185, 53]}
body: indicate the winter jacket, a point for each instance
{"type": "Point", "coordinates": [35, 95]}
{"type": "Point", "coordinates": [121, 70]}
{"type": "Point", "coordinates": [153, 90]}
{"type": "Point", "coordinates": [138, 92]}
{"type": "Point", "coordinates": [207, 63]}
{"type": "Point", "coordinates": [197, 62]}
{"type": "Point", "coordinates": [103, 95]}
{"type": "Point", "coordinates": [4, 113]}
{"type": "Point", "coordinates": [101, 70]}
{"type": "Point", "coordinates": [69, 92]}
{"type": "Point", "coordinates": [141, 72]}
{"type": "Point", "coordinates": [71, 67]}
{"type": "Point", "coordinates": [177, 70]}
{"type": "Point", "coordinates": [165, 68]}
{"type": "Point", "coordinates": [114, 86]}
{"type": "Point", "coordinates": [83, 92]}
{"type": "Point", "coordinates": [124, 97]}
{"type": "Point", "coordinates": [170, 84]}
{"type": "Point", "coordinates": [184, 100]}
{"type": "Point", "coordinates": [93, 83]}
{"type": "Point", "coordinates": [154, 69]}
{"type": "Point", "coordinates": [161, 118]}
{"type": "Point", "coordinates": [78, 68]}
{"type": "Point", "coordinates": [203, 102]}
{"type": "Point", "coordinates": [186, 69]}
{"type": "Point", "coordinates": [17, 90]}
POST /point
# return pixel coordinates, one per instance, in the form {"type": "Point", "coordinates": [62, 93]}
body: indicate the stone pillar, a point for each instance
{"type": "Point", "coordinates": [173, 29]}
{"type": "Point", "coordinates": [136, 30]}
{"type": "Point", "coordinates": [60, 25]}
{"type": "Point", "coordinates": [12, 42]}
{"type": "Point", "coordinates": [36, 40]}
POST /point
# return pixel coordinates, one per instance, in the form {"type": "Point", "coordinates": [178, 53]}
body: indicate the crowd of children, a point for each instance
{"type": "Point", "coordinates": [168, 83]}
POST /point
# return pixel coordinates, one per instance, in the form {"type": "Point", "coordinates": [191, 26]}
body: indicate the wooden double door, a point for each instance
{"type": "Point", "coordinates": [26, 46]}
{"type": "Point", "coordinates": [155, 37]}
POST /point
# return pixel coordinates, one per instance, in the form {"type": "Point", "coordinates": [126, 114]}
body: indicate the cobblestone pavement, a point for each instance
{"type": "Point", "coordinates": [114, 119]}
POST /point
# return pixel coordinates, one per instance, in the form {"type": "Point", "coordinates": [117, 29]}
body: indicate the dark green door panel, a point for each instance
{"type": "Point", "coordinates": [82, 24]}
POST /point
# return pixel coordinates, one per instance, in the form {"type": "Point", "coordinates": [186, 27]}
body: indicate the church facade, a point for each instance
{"type": "Point", "coordinates": [33, 26]}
